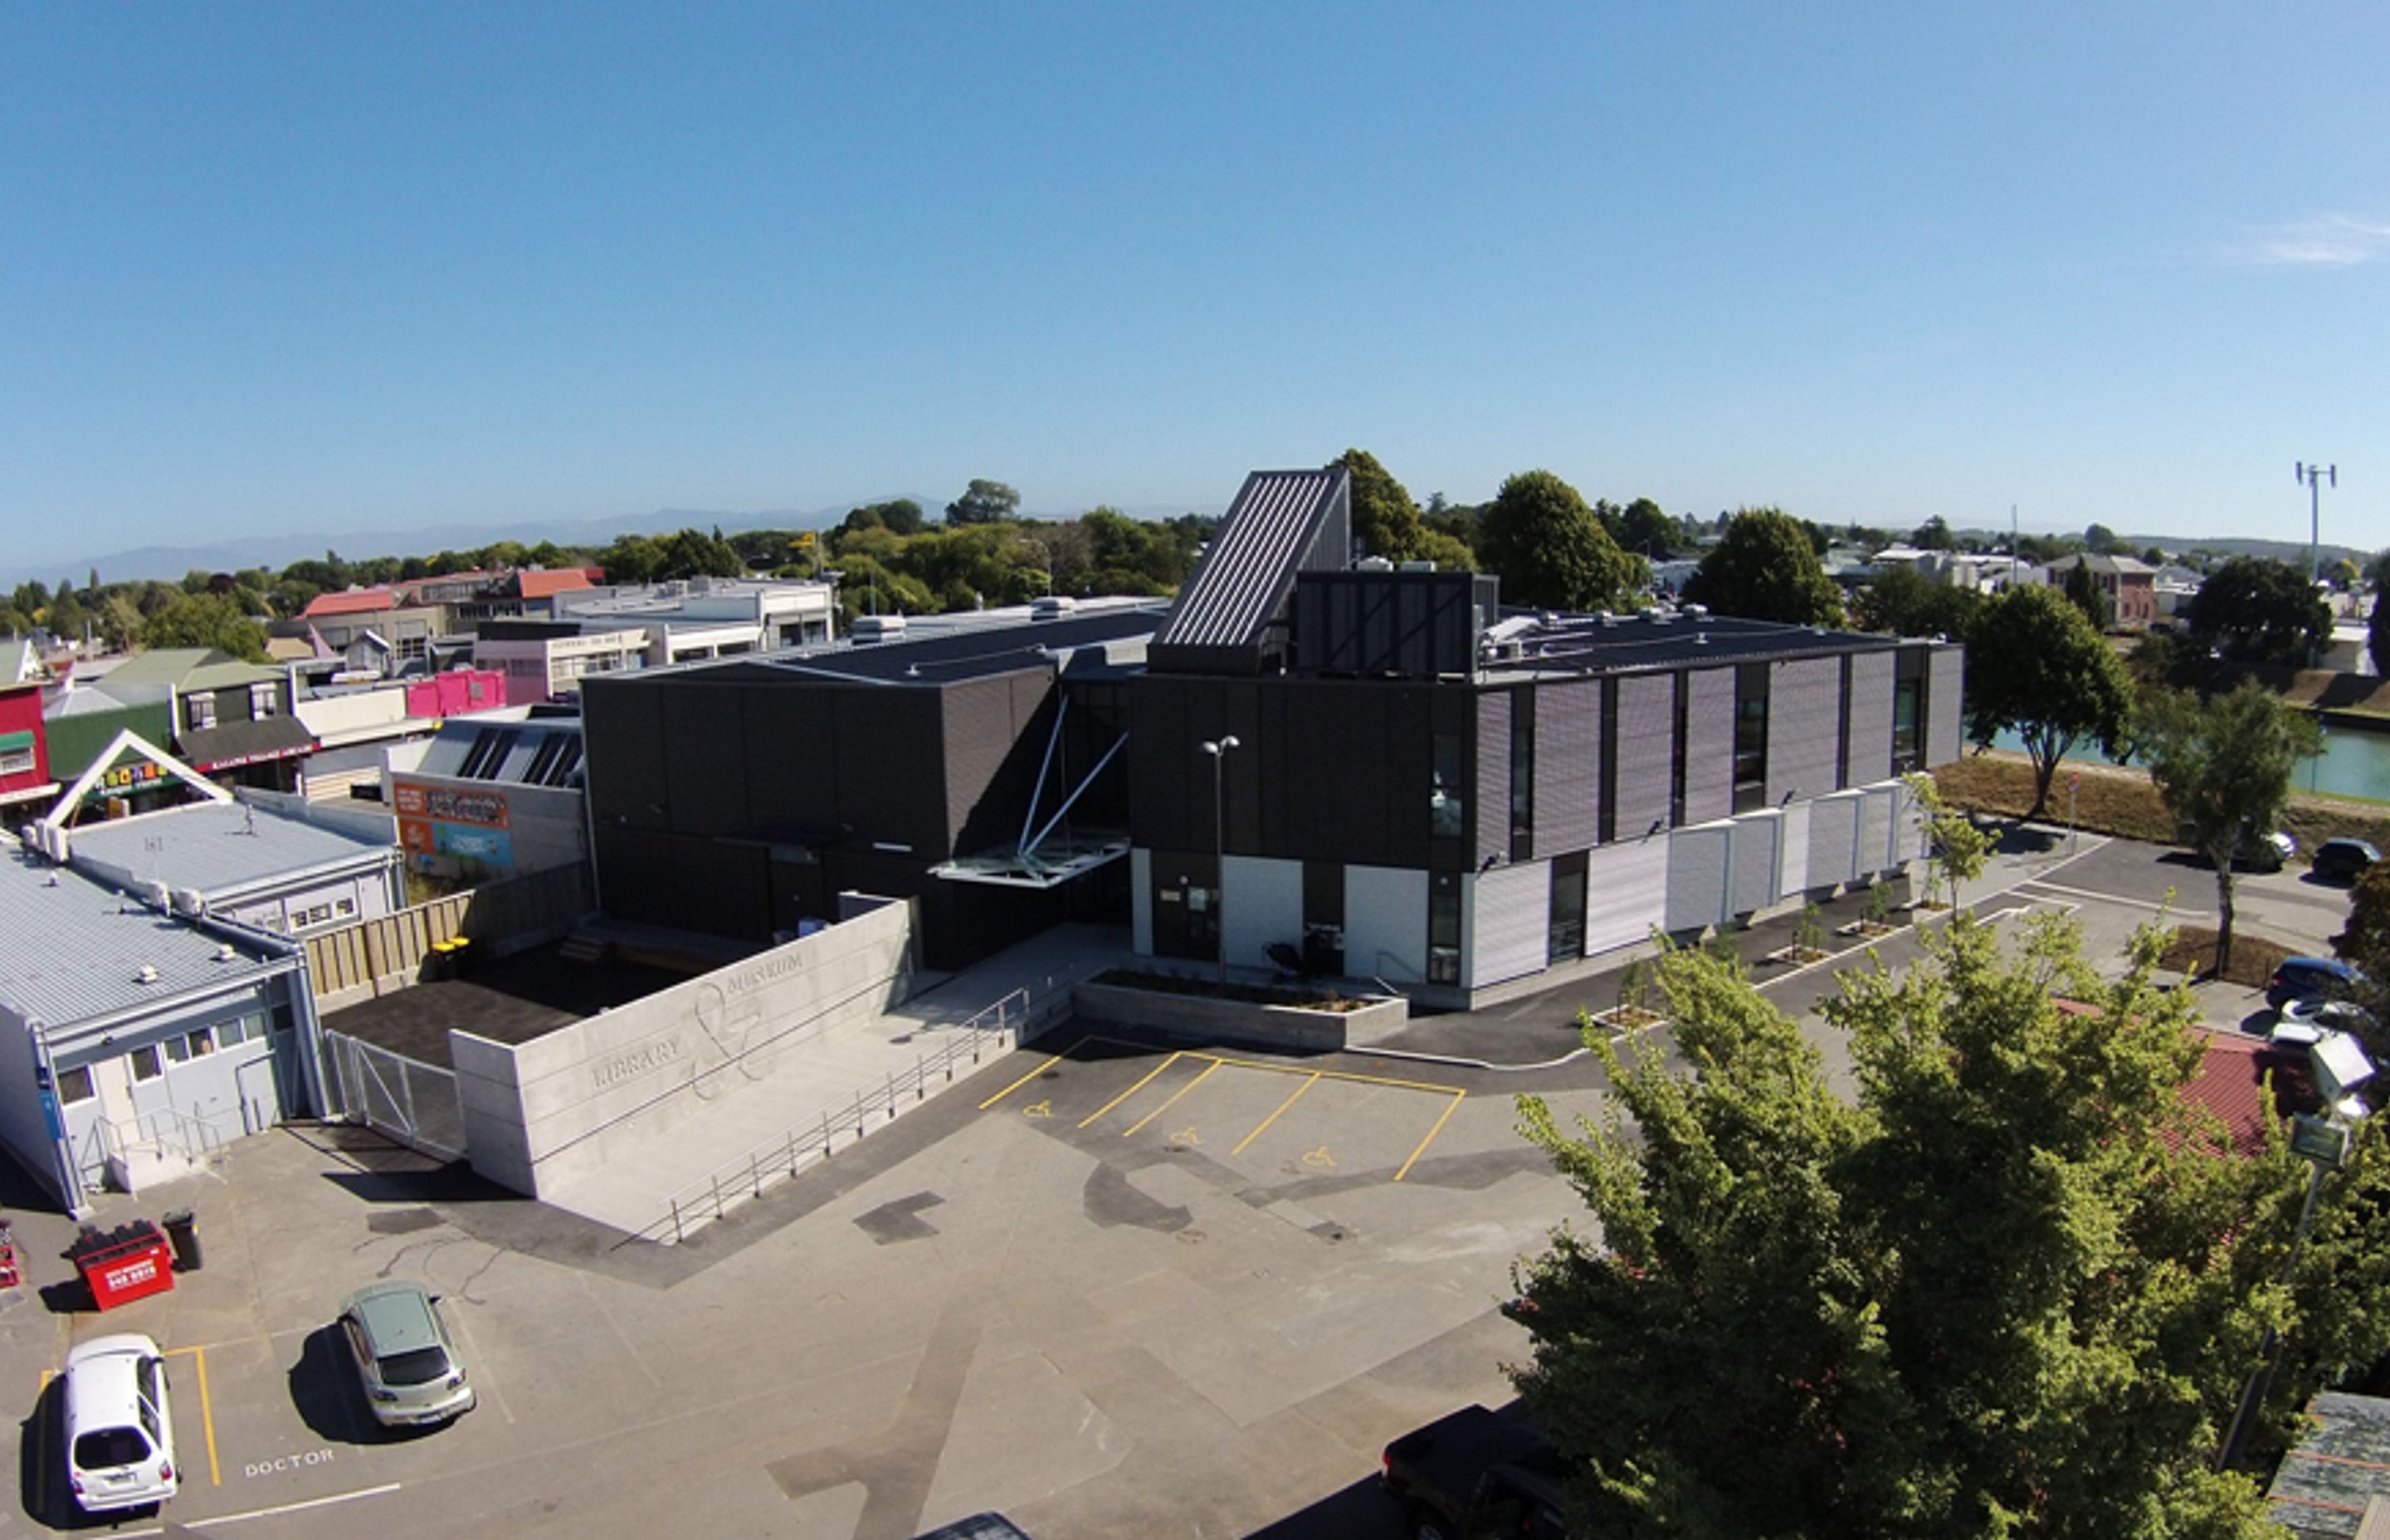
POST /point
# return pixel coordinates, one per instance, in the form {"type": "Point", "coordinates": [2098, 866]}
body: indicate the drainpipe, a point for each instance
{"type": "Point", "coordinates": [70, 1189]}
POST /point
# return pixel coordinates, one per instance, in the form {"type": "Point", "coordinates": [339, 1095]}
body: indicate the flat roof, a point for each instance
{"type": "Point", "coordinates": [930, 653]}
{"type": "Point", "coordinates": [218, 847]}
{"type": "Point", "coordinates": [75, 946]}
{"type": "Point", "coordinates": [1657, 639]}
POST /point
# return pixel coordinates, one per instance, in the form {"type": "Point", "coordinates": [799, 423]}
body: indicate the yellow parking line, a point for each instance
{"type": "Point", "coordinates": [207, 1409]}
{"type": "Point", "coordinates": [1174, 1097]}
{"type": "Point", "coordinates": [1027, 1078]}
{"type": "Point", "coordinates": [1450, 1108]}
{"type": "Point", "coordinates": [1340, 1074]}
{"type": "Point", "coordinates": [1273, 1117]}
{"type": "Point", "coordinates": [1131, 1090]}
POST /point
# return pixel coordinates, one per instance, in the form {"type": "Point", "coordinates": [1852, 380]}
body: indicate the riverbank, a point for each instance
{"type": "Point", "coordinates": [2112, 800]}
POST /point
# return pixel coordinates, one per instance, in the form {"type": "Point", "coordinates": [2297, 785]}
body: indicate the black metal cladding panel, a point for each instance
{"type": "Point", "coordinates": [1805, 728]}
{"type": "Point", "coordinates": [1568, 767]}
{"type": "Point", "coordinates": [622, 730]}
{"type": "Point", "coordinates": [1491, 815]}
{"type": "Point", "coordinates": [891, 757]}
{"type": "Point", "coordinates": [1709, 744]}
{"type": "Point", "coordinates": [1871, 720]}
{"type": "Point", "coordinates": [1268, 534]}
{"type": "Point", "coordinates": [1943, 738]}
{"type": "Point", "coordinates": [1345, 768]}
{"type": "Point", "coordinates": [721, 888]}
{"type": "Point", "coordinates": [704, 750]}
{"type": "Point", "coordinates": [792, 761]}
{"type": "Point", "coordinates": [635, 874]}
{"type": "Point", "coordinates": [983, 735]}
{"type": "Point", "coordinates": [1646, 746]}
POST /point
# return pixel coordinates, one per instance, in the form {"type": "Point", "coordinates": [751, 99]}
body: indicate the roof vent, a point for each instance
{"type": "Point", "coordinates": [224, 952]}
{"type": "Point", "coordinates": [145, 975]}
{"type": "Point", "coordinates": [1700, 638]}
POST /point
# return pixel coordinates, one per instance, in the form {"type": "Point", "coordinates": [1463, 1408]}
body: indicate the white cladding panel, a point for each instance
{"type": "Point", "coordinates": [1805, 728]}
{"type": "Point", "coordinates": [1567, 790]}
{"type": "Point", "coordinates": [1261, 900]}
{"type": "Point", "coordinates": [1875, 830]}
{"type": "Point", "coordinates": [1697, 877]}
{"type": "Point", "coordinates": [1757, 839]}
{"type": "Point", "coordinates": [1645, 755]}
{"type": "Point", "coordinates": [1870, 721]}
{"type": "Point", "coordinates": [1709, 744]}
{"type": "Point", "coordinates": [1908, 825]}
{"type": "Point", "coordinates": [1792, 865]}
{"type": "Point", "coordinates": [1942, 706]}
{"type": "Point", "coordinates": [1494, 776]}
{"type": "Point", "coordinates": [1625, 893]}
{"type": "Point", "coordinates": [1835, 839]}
{"type": "Point", "coordinates": [1140, 901]}
{"type": "Point", "coordinates": [1509, 916]}
{"type": "Point", "coordinates": [1385, 923]}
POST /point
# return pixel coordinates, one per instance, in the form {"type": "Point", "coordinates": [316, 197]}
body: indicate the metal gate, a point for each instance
{"type": "Point", "coordinates": [409, 1101]}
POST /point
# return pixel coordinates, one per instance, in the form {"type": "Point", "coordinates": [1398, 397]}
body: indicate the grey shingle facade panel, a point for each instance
{"type": "Point", "coordinates": [1805, 728]}
{"type": "Point", "coordinates": [1709, 744]}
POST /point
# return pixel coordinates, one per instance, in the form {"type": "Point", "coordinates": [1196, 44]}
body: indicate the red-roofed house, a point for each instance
{"type": "Point", "coordinates": [349, 601]}
{"type": "Point", "coordinates": [538, 588]}
{"type": "Point", "coordinates": [2231, 1083]}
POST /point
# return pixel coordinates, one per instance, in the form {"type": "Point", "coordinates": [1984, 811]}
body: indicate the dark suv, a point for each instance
{"type": "Point", "coordinates": [2345, 860]}
{"type": "Point", "coordinates": [2310, 979]}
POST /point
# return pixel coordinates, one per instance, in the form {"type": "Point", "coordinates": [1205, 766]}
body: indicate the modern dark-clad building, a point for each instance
{"type": "Point", "coordinates": [974, 767]}
{"type": "Point", "coordinates": [1425, 794]}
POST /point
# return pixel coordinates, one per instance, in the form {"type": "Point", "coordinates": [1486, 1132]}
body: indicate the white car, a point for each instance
{"type": "Point", "coordinates": [2303, 1022]}
{"type": "Point", "coordinates": [120, 1428]}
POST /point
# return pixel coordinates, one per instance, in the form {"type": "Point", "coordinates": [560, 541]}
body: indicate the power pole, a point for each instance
{"type": "Point", "coordinates": [2315, 476]}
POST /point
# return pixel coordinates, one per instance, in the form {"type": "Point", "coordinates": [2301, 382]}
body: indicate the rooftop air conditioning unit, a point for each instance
{"type": "Point", "coordinates": [1373, 564]}
{"type": "Point", "coordinates": [1051, 606]}
{"type": "Point", "coordinates": [145, 974]}
{"type": "Point", "coordinates": [1418, 567]}
{"type": "Point", "coordinates": [187, 902]}
{"type": "Point", "coordinates": [154, 895]}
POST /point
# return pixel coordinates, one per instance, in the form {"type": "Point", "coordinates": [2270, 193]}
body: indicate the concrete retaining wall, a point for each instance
{"type": "Point", "coordinates": [1276, 1027]}
{"type": "Point", "coordinates": [543, 1113]}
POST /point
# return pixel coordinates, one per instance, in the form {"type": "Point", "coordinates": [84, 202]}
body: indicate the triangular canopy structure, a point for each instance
{"type": "Point", "coordinates": [106, 760]}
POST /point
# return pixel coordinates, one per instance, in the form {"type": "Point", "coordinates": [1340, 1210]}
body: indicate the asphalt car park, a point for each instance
{"type": "Point", "coordinates": [1261, 1118]}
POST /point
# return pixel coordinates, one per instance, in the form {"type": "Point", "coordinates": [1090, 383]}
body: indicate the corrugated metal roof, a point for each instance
{"type": "Point", "coordinates": [74, 948]}
{"type": "Point", "coordinates": [17, 660]}
{"type": "Point", "coordinates": [215, 847]}
{"type": "Point", "coordinates": [2323, 1485]}
{"type": "Point", "coordinates": [1587, 644]}
{"type": "Point", "coordinates": [350, 601]}
{"type": "Point", "coordinates": [187, 668]}
{"type": "Point", "coordinates": [1246, 575]}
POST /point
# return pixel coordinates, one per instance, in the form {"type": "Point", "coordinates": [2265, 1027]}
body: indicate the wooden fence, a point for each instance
{"type": "Point", "coordinates": [374, 957]}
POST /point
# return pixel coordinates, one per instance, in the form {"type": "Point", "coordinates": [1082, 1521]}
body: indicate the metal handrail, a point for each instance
{"type": "Point", "coordinates": [1000, 1026]}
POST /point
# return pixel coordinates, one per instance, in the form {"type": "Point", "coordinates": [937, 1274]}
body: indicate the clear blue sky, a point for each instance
{"type": "Point", "coordinates": [357, 267]}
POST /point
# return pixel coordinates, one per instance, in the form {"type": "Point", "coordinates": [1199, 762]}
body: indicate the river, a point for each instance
{"type": "Point", "coordinates": [2355, 763]}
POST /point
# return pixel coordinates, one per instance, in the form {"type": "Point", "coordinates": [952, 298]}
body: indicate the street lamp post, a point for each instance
{"type": "Point", "coordinates": [1218, 749]}
{"type": "Point", "coordinates": [2315, 476]}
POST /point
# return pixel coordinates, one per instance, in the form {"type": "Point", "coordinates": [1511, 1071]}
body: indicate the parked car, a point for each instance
{"type": "Point", "coordinates": [2311, 979]}
{"type": "Point", "coordinates": [2266, 853]}
{"type": "Point", "coordinates": [1475, 1475]}
{"type": "Point", "coordinates": [406, 1358]}
{"type": "Point", "coordinates": [120, 1428]}
{"type": "Point", "coordinates": [2345, 860]}
{"type": "Point", "coordinates": [2318, 1015]}
{"type": "Point", "coordinates": [979, 1526]}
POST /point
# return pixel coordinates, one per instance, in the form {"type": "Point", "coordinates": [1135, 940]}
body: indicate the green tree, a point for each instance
{"type": "Point", "coordinates": [2036, 666]}
{"type": "Point", "coordinates": [901, 515]}
{"type": "Point", "coordinates": [2010, 1291]}
{"type": "Point", "coordinates": [2083, 591]}
{"type": "Point", "coordinates": [206, 619]}
{"type": "Point", "coordinates": [2223, 766]}
{"type": "Point", "coordinates": [2377, 633]}
{"type": "Point", "coordinates": [1645, 529]}
{"type": "Point", "coordinates": [1550, 549]}
{"type": "Point", "coordinates": [2253, 611]}
{"type": "Point", "coordinates": [1933, 535]}
{"type": "Point", "coordinates": [1764, 568]}
{"type": "Point", "coordinates": [1904, 602]}
{"type": "Point", "coordinates": [983, 502]}
{"type": "Point", "coordinates": [2099, 540]}
{"type": "Point", "coordinates": [2154, 556]}
{"type": "Point", "coordinates": [1386, 520]}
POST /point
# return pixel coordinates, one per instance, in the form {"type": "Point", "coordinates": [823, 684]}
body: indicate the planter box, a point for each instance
{"type": "Point", "coordinates": [1800, 957]}
{"type": "Point", "coordinates": [1289, 1028]}
{"type": "Point", "coordinates": [1628, 1019]}
{"type": "Point", "coordinates": [1871, 929]}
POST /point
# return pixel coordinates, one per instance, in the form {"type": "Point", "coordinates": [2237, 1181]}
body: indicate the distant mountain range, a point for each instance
{"type": "Point", "coordinates": [277, 551]}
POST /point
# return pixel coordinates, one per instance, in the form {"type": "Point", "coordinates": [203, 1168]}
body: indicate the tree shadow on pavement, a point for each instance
{"type": "Point", "coordinates": [1358, 1511]}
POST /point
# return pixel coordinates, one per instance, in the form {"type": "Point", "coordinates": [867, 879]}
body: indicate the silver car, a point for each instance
{"type": "Point", "coordinates": [405, 1357]}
